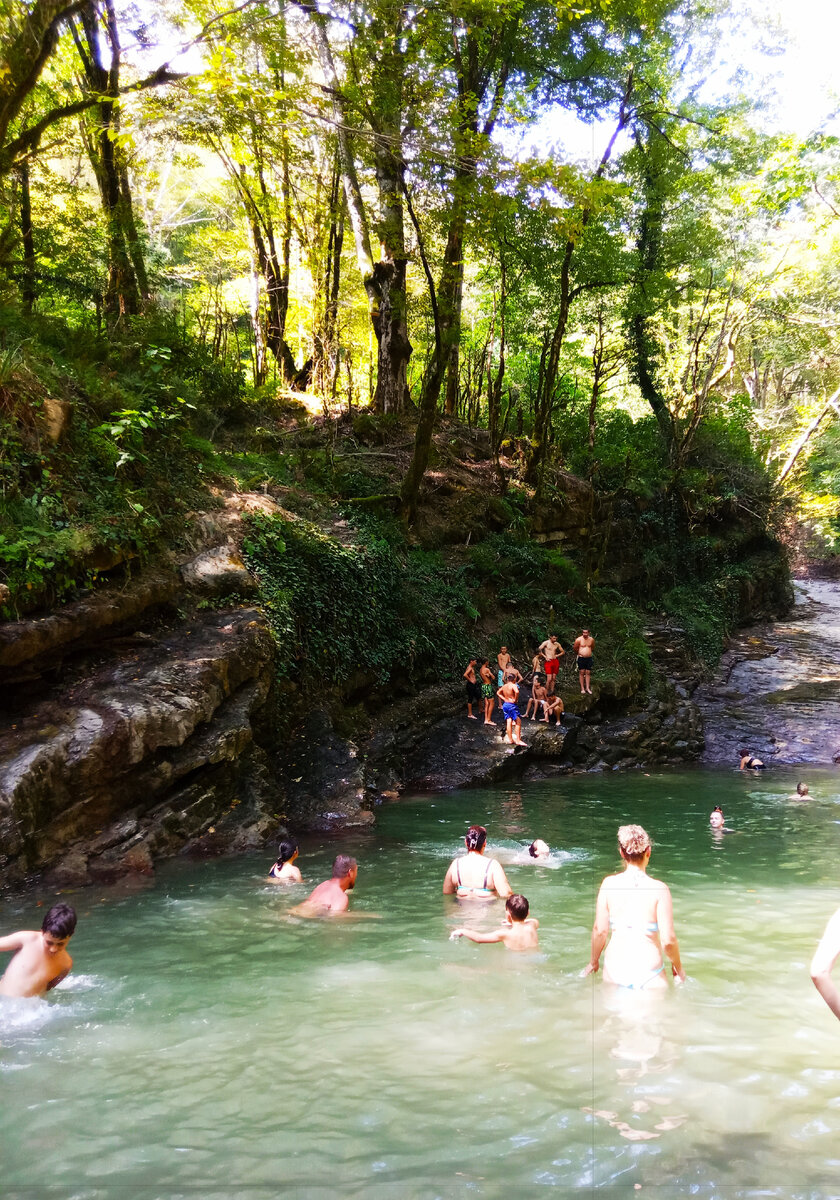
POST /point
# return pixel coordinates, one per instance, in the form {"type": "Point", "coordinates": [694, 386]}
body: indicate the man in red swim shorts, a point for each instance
{"type": "Point", "coordinates": [553, 652]}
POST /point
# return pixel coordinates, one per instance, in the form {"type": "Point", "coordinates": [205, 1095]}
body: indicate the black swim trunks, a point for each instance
{"type": "Point", "coordinates": [473, 692]}
{"type": "Point", "coordinates": [584, 662]}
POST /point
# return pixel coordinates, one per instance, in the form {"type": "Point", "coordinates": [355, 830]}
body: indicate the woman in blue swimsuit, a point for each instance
{"type": "Point", "coordinates": [473, 876]}
{"type": "Point", "coordinates": [636, 914]}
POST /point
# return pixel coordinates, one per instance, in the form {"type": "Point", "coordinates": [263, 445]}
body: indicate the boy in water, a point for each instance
{"type": "Point", "coordinates": [41, 960]}
{"type": "Point", "coordinates": [518, 933]}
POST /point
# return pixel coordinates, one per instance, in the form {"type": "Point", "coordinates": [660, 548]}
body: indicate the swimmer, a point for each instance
{"type": "Point", "coordinates": [749, 762]}
{"type": "Point", "coordinates": [41, 960]}
{"type": "Point", "coordinates": [802, 792]}
{"type": "Point", "coordinates": [331, 896]}
{"type": "Point", "coordinates": [824, 960]}
{"type": "Point", "coordinates": [716, 818]}
{"type": "Point", "coordinates": [636, 914]}
{"type": "Point", "coordinates": [519, 931]}
{"type": "Point", "coordinates": [472, 876]}
{"type": "Point", "coordinates": [539, 849]}
{"type": "Point", "coordinates": [284, 870]}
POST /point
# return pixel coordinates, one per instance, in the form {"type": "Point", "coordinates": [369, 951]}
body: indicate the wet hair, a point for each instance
{"type": "Point", "coordinates": [518, 907]}
{"type": "Point", "coordinates": [801, 788]}
{"type": "Point", "coordinates": [60, 921]}
{"type": "Point", "coordinates": [476, 837]}
{"type": "Point", "coordinates": [343, 865]}
{"type": "Point", "coordinates": [286, 850]}
{"type": "Point", "coordinates": [744, 753]}
{"type": "Point", "coordinates": [532, 849]}
{"type": "Point", "coordinates": [633, 842]}
{"type": "Point", "coordinates": [717, 808]}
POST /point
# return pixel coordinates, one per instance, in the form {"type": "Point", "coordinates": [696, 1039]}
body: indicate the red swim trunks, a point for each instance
{"type": "Point", "coordinates": [552, 666]}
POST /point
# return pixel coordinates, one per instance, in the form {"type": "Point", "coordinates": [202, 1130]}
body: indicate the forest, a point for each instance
{"type": "Point", "coordinates": [315, 249]}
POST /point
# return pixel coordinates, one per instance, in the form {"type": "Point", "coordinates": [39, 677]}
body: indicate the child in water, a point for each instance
{"type": "Point", "coordinates": [518, 933]}
{"type": "Point", "coordinates": [284, 870]}
{"type": "Point", "coordinates": [41, 960]}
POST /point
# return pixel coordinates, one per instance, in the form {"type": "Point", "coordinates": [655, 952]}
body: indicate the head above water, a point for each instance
{"type": "Point", "coordinates": [802, 789]}
{"type": "Point", "coordinates": [344, 866]}
{"type": "Point", "coordinates": [633, 842]}
{"type": "Point", "coordinates": [60, 921]}
{"type": "Point", "coordinates": [539, 849]}
{"type": "Point", "coordinates": [476, 838]}
{"type": "Point", "coordinates": [518, 907]}
{"type": "Point", "coordinates": [744, 753]}
{"type": "Point", "coordinates": [287, 850]}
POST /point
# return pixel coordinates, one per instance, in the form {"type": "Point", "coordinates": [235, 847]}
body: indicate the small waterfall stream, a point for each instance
{"type": "Point", "coordinates": [777, 690]}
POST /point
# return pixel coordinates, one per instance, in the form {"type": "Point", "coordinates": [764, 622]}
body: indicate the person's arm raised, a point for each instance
{"type": "Point", "coordinates": [14, 941]}
{"type": "Point", "coordinates": [482, 938]}
{"type": "Point", "coordinates": [823, 962]}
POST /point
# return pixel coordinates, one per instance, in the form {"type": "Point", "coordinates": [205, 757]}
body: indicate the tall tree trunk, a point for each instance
{"type": "Point", "coordinates": [28, 282]}
{"type": "Point", "coordinates": [123, 289]}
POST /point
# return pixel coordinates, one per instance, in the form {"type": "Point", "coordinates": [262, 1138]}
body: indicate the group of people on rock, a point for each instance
{"type": "Point", "coordinates": [502, 687]}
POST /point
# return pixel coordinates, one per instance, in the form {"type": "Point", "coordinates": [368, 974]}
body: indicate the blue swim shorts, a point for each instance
{"type": "Point", "coordinates": [510, 710]}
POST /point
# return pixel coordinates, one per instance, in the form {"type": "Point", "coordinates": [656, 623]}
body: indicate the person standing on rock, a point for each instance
{"type": "Point", "coordinates": [487, 690]}
{"type": "Point", "coordinates": [508, 693]}
{"type": "Point", "coordinates": [584, 649]}
{"type": "Point", "coordinates": [473, 688]}
{"type": "Point", "coordinates": [553, 652]}
{"type": "Point", "coordinates": [41, 960]}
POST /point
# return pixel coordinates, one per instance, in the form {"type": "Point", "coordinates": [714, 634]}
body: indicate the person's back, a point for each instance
{"type": "Point", "coordinates": [284, 869]}
{"type": "Point", "coordinates": [518, 933]}
{"type": "Point", "coordinates": [473, 875]}
{"type": "Point", "coordinates": [331, 896]}
{"type": "Point", "coordinates": [41, 960]}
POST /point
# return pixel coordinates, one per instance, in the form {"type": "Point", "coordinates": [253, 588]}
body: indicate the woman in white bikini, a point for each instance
{"type": "Point", "coordinates": [473, 876]}
{"type": "Point", "coordinates": [636, 914]}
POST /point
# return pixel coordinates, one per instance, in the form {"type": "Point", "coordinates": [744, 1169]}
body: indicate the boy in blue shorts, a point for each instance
{"type": "Point", "coordinates": [508, 693]}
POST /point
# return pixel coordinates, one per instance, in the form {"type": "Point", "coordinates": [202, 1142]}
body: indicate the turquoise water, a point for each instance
{"type": "Point", "coordinates": [207, 1045]}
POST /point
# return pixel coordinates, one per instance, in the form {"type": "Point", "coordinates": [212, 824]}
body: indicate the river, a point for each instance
{"type": "Point", "coordinates": [208, 1045]}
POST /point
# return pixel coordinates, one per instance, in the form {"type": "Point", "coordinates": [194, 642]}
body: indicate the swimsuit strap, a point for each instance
{"type": "Point", "coordinates": [487, 872]}
{"type": "Point", "coordinates": [458, 871]}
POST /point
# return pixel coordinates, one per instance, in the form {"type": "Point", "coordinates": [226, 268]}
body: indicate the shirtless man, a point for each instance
{"type": "Point", "coordinates": [508, 695]}
{"type": "Point", "coordinates": [503, 659]}
{"type": "Point", "coordinates": [538, 697]}
{"type": "Point", "coordinates": [553, 652]}
{"type": "Point", "coordinates": [473, 688]}
{"type": "Point", "coordinates": [584, 649]}
{"type": "Point", "coordinates": [554, 705]}
{"type": "Point", "coordinates": [41, 960]}
{"type": "Point", "coordinates": [537, 664]}
{"type": "Point", "coordinates": [331, 896]}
